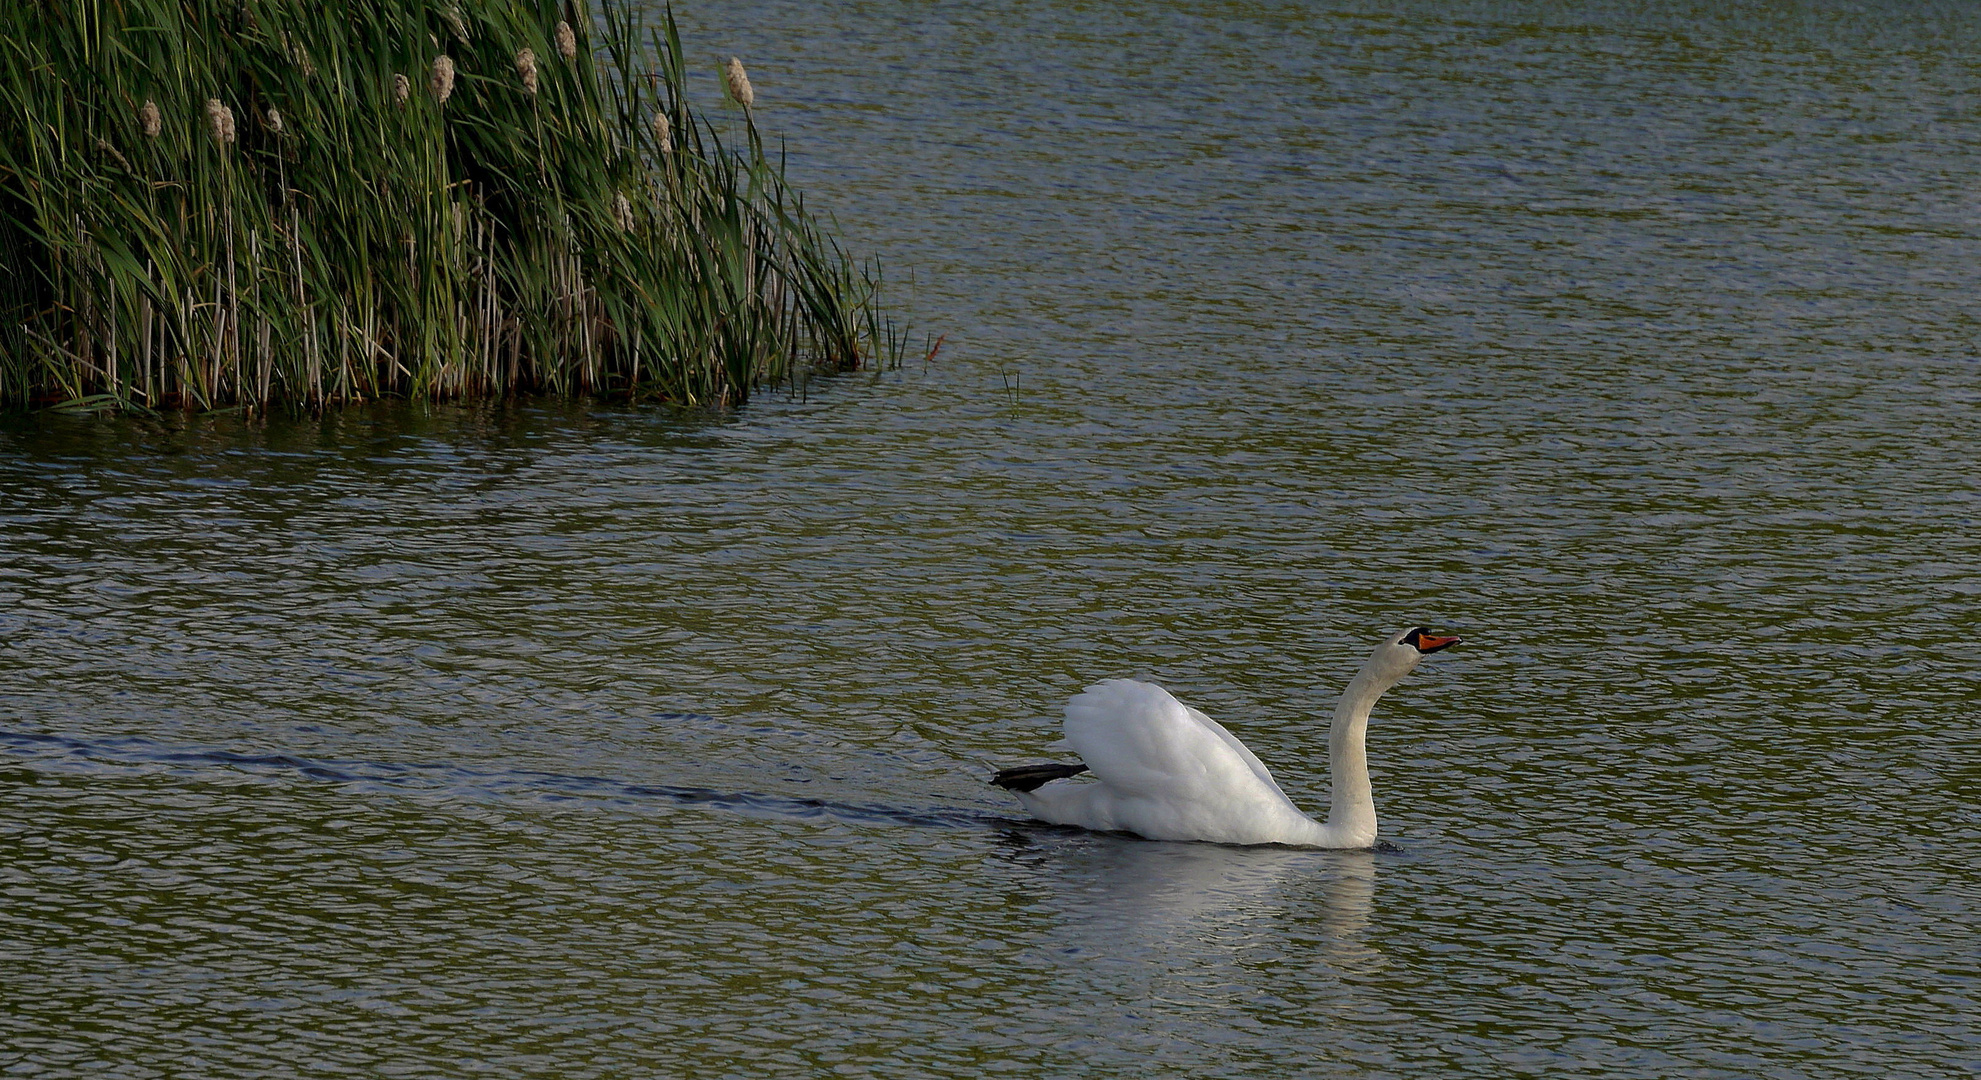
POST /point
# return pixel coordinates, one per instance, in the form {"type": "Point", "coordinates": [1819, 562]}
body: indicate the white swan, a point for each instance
{"type": "Point", "coordinates": [1168, 772]}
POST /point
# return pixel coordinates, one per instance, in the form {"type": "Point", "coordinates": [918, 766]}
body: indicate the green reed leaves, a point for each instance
{"type": "Point", "coordinates": [217, 202]}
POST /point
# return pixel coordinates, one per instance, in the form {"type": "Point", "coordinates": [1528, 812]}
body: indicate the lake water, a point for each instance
{"type": "Point", "coordinates": [1637, 344]}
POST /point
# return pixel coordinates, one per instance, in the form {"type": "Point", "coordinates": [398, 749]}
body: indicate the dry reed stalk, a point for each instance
{"type": "Point", "coordinates": [296, 53]}
{"type": "Point", "coordinates": [144, 336]}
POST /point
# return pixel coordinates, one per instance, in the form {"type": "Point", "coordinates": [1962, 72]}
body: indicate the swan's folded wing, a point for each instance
{"type": "Point", "coordinates": [1143, 742]}
{"type": "Point", "coordinates": [1258, 767]}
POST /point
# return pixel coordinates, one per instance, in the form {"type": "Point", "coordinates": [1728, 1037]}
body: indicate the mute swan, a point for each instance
{"type": "Point", "coordinates": [1168, 772]}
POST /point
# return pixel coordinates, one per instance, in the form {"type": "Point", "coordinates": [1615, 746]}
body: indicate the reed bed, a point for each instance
{"type": "Point", "coordinates": [207, 203]}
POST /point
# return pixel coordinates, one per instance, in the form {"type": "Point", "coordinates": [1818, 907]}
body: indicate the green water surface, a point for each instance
{"type": "Point", "coordinates": [1636, 344]}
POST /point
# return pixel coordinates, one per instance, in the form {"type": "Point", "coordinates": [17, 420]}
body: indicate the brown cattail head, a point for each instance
{"type": "Point", "coordinates": [739, 83]}
{"type": "Point", "coordinates": [622, 211]}
{"type": "Point", "coordinates": [526, 66]}
{"type": "Point", "coordinates": [275, 120]}
{"type": "Point", "coordinates": [298, 55]}
{"type": "Point", "coordinates": [567, 42]}
{"type": "Point", "coordinates": [455, 23]}
{"type": "Point", "coordinates": [111, 151]}
{"type": "Point", "coordinates": [149, 120]}
{"type": "Point", "coordinates": [219, 122]}
{"type": "Point", "coordinates": [663, 133]}
{"type": "Point", "coordinates": [402, 88]}
{"type": "Point", "coordinates": [442, 79]}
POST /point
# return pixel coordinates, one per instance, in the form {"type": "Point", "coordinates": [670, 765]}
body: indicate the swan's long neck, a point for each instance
{"type": "Point", "coordinates": [1352, 809]}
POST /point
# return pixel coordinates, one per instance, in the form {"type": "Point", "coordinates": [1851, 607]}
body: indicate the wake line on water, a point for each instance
{"type": "Point", "coordinates": [134, 751]}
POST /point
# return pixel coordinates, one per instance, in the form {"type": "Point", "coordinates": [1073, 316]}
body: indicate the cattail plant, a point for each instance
{"type": "Point", "coordinates": [526, 66]}
{"type": "Point", "coordinates": [738, 82]}
{"type": "Point", "coordinates": [219, 123]}
{"type": "Point", "coordinates": [441, 81]}
{"type": "Point", "coordinates": [489, 247]}
{"type": "Point", "coordinates": [298, 55]}
{"type": "Point", "coordinates": [112, 153]}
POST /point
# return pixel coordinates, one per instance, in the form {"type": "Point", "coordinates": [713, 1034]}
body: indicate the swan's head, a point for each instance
{"type": "Point", "coordinates": [1400, 655]}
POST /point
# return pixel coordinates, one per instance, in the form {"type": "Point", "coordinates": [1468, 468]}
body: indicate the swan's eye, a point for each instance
{"type": "Point", "coordinates": [1413, 637]}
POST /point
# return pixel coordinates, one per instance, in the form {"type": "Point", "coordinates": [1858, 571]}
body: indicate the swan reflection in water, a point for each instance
{"type": "Point", "coordinates": [1202, 906]}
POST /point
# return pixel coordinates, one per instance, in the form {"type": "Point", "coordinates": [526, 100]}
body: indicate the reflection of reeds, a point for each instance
{"type": "Point", "coordinates": [590, 234]}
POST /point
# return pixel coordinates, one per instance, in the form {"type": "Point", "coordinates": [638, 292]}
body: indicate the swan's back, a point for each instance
{"type": "Point", "coordinates": [1142, 741]}
{"type": "Point", "coordinates": [1166, 771]}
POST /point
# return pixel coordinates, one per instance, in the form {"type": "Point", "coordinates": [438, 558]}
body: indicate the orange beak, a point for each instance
{"type": "Point", "coordinates": [1427, 644]}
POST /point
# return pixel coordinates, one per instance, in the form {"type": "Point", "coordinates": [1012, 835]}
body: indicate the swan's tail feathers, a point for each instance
{"type": "Point", "coordinates": [1027, 777]}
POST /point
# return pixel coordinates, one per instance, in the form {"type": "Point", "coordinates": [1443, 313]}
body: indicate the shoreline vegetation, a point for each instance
{"type": "Point", "coordinates": [257, 203]}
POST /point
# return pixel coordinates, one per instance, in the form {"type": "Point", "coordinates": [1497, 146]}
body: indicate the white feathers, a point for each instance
{"type": "Point", "coordinates": [1163, 770]}
{"type": "Point", "coordinates": [1167, 772]}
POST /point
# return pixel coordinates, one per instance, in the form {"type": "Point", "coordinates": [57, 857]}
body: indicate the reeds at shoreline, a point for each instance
{"type": "Point", "coordinates": [207, 203]}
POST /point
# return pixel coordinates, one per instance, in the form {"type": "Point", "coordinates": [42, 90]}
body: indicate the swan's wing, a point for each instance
{"type": "Point", "coordinates": [1258, 767]}
{"type": "Point", "coordinates": [1142, 742]}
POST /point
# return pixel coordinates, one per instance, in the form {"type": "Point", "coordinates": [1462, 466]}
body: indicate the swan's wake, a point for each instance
{"type": "Point", "coordinates": [134, 752]}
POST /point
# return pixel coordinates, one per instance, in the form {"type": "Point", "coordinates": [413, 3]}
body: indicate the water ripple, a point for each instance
{"type": "Point", "coordinates": [51, 751]}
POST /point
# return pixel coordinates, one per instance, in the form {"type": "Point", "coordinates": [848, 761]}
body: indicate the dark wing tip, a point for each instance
{"type": "Point", "coordinates": [1028, 777]}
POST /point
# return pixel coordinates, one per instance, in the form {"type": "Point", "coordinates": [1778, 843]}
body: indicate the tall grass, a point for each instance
{"type": "Point", "coordinates": [246, 202]}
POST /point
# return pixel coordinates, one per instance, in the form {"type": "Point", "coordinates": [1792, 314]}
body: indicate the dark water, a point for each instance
{"type": "Point", "coordinates": [1636, 344]}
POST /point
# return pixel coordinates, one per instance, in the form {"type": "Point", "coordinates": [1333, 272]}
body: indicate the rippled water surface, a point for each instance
{"type": "Point", "coordinates": [1636, 344]}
